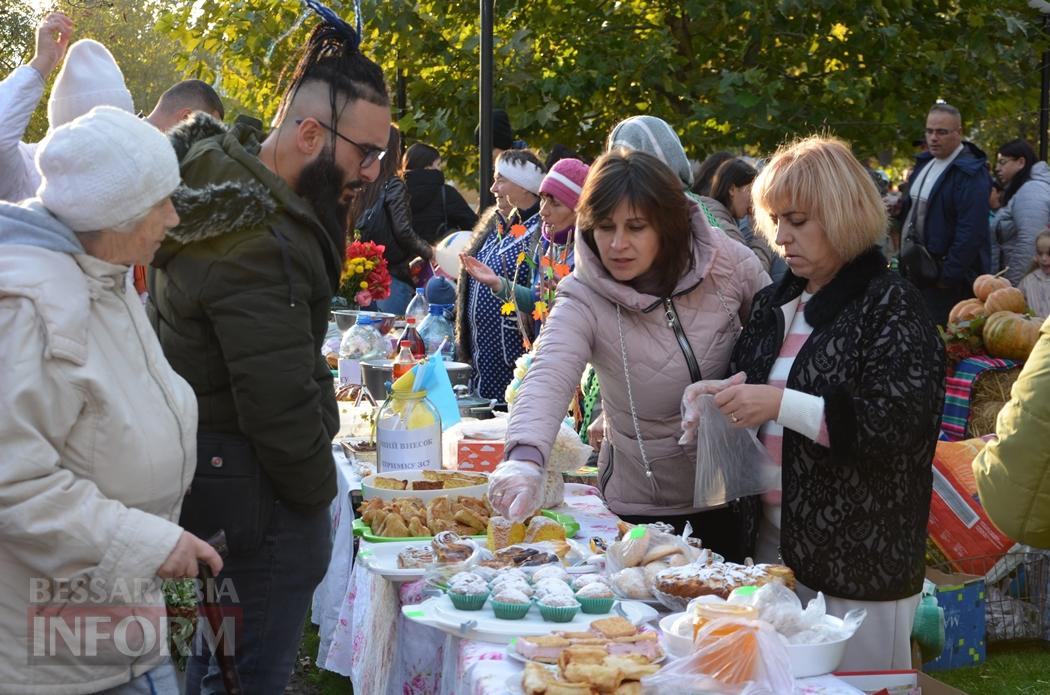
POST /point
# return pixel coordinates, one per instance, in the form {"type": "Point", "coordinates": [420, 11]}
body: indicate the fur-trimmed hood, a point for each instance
{"type": "Point", "coordinates": [216, 208]}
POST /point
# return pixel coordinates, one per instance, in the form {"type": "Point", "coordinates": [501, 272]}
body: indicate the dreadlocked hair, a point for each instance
{"type": "Point", "coordinates": [332, 56]}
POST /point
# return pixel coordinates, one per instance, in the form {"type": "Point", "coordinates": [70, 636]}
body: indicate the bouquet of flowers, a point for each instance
{"type": "Point", "coordinates": [365, 277]}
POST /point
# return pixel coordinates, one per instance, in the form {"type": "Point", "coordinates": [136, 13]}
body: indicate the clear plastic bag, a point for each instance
{"type": "Point", "coordinates": [730, 461]}
{"type": "Point", "coordinates": [632, 563]}
{"type": "Point", "coordinates": [780, 607]}
{"type": "Point", "coordinates": [463, 553]}
{"type": "Point", "coordinates": [736, 657]}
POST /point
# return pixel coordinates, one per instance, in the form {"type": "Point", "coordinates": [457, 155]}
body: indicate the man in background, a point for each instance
{"type": "Point", "coordinates": [183, 99]}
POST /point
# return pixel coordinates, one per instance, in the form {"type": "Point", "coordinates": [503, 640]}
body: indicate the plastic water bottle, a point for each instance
{"type": "Point", "coordinates": [361, 342]}
{"type": "Point", "coordinates": [436, 329]}
{"type": "Point", "coordinates": [418, 308]}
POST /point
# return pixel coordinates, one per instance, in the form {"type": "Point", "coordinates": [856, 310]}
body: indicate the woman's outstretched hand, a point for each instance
{"type": "Point", "coordinates": [480, 272]}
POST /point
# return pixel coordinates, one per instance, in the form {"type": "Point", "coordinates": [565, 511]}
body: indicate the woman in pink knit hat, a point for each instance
{"type": "Point", "coordinates": [552, 253]}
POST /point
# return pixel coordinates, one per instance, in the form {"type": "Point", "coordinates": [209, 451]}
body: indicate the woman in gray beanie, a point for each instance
{"type": "Point", "coordinates": [97, 431]}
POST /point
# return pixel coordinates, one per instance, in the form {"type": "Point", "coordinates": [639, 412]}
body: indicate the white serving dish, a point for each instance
{"type": "Point", "coordinates": [817, 659]}
{"type": "Point", "coordinates": [806, 659]}
{"type": "Point", "coordinates": [483, 625]}
{"type": "Point", "coordinates": [381, 559]}
{"type": "Point", "coordinates": [675, 643]}
{"type": "Point", "coordinates": [368, 491]}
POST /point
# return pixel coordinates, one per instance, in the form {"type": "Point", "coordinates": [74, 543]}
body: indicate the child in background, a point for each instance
{"type": "Point", "coordinates": [1036, 284]}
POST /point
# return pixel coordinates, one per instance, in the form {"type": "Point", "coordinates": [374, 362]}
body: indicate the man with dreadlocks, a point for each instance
{"type": "Point", "coordinates": [239, 295]}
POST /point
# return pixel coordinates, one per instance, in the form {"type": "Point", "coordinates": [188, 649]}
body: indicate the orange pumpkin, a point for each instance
{"type": "Point", "coordinates": [1008, 299]}
{"type": "Point", "coordinates": [1010, 335]}
{"type": "Point", "coordinates": [984, 285]}
{"type": "Point", "coordinates": [965, 310]}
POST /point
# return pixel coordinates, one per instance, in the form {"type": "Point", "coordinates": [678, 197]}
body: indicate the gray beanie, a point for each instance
{"type": "Point", "coordinates": [654, 136]}
{"type": "Point", "coordinates": [104, 169]}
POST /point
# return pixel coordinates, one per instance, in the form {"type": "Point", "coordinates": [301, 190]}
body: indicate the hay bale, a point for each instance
{"type": "Point", "coordinates": [982, 417]}
{"type": "Point", "coordinates": [993, 385]}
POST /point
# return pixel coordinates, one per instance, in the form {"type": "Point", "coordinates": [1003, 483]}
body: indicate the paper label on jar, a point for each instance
{"type": "Point", "coordinates": [402, 450]}
{"type": "Point", "coordinates": [349, 372]}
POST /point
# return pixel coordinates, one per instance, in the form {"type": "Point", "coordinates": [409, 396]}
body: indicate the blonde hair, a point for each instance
{"type": "Point", "coordinates": [1045, 234]}
{"type": "Point", "coordinates": [820, 176]}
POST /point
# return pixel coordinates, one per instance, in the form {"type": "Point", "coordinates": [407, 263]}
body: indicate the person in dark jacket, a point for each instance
{"type": "Point", "coordinates": [239, 297]}
{"type": "Point", "coordinates": [389, 222]}
{"type": "Point", "coordinates": [844, 379]}
{"type": "Point", "coordinates": [946, 212]}
{"type": "Point", "coordinates": [437, 207]}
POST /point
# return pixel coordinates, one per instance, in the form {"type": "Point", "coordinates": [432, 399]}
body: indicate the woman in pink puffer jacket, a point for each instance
{"type": "Point", "coordinates": [656, 302]}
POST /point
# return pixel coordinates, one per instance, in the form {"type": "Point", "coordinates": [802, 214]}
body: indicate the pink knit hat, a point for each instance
{"type": "Point", "coordinates": [565, 181]}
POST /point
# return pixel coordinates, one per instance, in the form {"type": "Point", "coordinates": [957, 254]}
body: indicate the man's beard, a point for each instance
{"type": "Point", "coordinates": [321, 185]}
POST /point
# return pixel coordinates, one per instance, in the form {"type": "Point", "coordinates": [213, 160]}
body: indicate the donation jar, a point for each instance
{"type": "Point", "coordinates": [408, 433]}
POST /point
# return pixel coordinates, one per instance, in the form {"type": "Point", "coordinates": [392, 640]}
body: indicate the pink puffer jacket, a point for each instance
{"type": "Point", "coordinates": [712, 299]}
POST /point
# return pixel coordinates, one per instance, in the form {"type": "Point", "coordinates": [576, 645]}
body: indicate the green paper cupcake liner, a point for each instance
{"type": "Point", "coordinates": [559, 614]}
{"type": "Point", "coordinates": [595, 605]}
{"type": "Point", "coordinates": [510, 611]}
{"type": "Point", "coordinates": [468, 602]}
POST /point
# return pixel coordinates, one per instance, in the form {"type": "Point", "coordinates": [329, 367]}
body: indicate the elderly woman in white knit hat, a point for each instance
{"type": "Point", "coordinates": [488, 335]}
{"type": "Point", "coordinates": [97, 431]}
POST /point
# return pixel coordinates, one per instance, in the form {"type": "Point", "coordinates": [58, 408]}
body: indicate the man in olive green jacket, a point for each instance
{"type": "Point", "coordinates": [1013, 471]}
{"type": "Point", "coordinates": [239, 296]}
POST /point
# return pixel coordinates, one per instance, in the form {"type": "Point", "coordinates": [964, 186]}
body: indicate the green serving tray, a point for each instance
{"type": "Point", "coordinates": [364, 531]}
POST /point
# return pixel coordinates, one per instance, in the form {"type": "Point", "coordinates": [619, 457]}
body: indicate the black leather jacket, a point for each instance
{"type": "Point", "coordinates": [389, 222]}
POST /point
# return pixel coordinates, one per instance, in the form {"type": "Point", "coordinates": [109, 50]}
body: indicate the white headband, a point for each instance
{"type": "Point", "coordinates": [525, 174]}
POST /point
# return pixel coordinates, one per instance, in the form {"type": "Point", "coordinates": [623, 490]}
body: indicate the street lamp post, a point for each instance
{"type": "Point", "coordinates": [485, 107]}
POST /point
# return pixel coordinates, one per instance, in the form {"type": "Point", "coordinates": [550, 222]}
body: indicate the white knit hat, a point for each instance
{"type": "Point", "coordinates": [104, 169]}
{"type": "Point", "coordinates": [89, 78]}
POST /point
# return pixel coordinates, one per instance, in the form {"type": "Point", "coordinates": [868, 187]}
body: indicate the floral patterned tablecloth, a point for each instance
{"type": "Point", "coordinates": [364, 636]}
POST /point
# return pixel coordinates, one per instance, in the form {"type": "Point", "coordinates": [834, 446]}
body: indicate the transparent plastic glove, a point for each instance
{"type": "Point", "coordinates": [691, 399]}
{"type": "Point", "coordinates": [516, 489]}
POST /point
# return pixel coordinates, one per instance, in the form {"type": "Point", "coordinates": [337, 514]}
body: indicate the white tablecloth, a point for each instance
{"type": "Point", "coordinates": [364, 636]}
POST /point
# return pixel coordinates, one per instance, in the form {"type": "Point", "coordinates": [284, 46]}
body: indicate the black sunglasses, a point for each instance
{"type": "Point", "coordinates": [369, 153]}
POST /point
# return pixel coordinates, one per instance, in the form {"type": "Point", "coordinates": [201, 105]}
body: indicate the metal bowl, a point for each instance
{"type": "Point", "coordinates": [345, 318]}
{"type": "Point", "coordinates": [376, 373]}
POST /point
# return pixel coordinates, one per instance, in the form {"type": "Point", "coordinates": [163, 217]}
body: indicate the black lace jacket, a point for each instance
{"type": "Point", "coordinates": [853, 522]}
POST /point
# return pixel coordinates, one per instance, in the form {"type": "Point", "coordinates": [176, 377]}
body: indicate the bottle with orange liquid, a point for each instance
{"type": "Point", "coordinates": [404, 361]}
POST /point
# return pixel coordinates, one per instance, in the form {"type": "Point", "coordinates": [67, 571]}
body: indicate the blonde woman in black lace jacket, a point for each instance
{"type": "Point", "coordinates": [844, 379]}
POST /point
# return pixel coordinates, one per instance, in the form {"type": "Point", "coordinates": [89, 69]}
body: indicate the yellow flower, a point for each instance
{"type": "Point", "coordinates": [370, 265]}
{"type": "Point", "coordinates": [507, 309]}
{"type": "Point", "coordinates": [363, 285]}
{"type": "Point", "coordinates": [540, 312]}
{"type": "Point", "coordinates": [521, 258]}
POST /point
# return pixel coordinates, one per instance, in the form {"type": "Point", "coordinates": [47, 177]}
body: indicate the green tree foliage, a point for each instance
{"type": "Point", "coordinates": [731, 74]}
{"type": "Point", "coordinates": [127, 28]}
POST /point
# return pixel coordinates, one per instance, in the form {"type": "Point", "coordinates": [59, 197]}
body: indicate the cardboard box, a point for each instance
{"type": "Point", "coordinates": [958, 525]}
{"type": "Point", "coordinates": [897, 682]}
{"type": "Point", "coordinates": [479, 455]}
{"type": "Point", "coordinates": [962, 596]}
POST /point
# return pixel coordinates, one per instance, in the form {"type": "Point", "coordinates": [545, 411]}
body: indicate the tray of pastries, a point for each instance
{"type": "Point", "coordinates": [424, 484]}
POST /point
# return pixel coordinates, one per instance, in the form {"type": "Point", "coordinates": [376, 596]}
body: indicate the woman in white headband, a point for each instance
{"type": "Point", "coordinates": [489, 337]}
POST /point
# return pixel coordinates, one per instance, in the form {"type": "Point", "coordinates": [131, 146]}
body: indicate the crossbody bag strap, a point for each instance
{"type": "Point", "coordinates": [444, 209]}
{"type": "Point", "coordinates": [683, 341]}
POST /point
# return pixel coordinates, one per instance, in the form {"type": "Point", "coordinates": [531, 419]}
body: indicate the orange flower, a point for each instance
{"type": "Point", "coordinates": [545, 262]}
{"type": "Point", "coordinates": [561, 270]}
{"type": "Point", "coordinates": [540, 312]}
{"type": "Point", "coordinates": [517, 231]}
